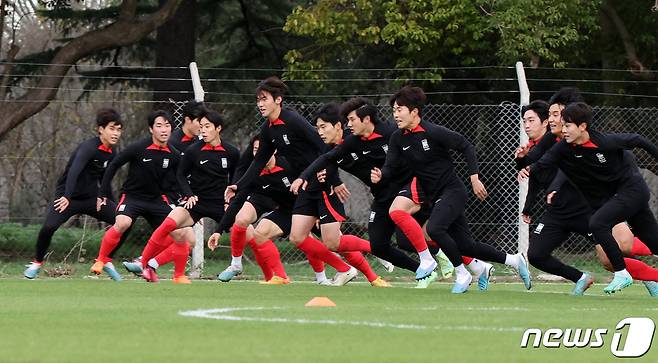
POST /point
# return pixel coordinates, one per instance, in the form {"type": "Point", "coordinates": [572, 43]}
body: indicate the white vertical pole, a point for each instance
{"type": "Point", "coordinates": [196, 269]}
{"type": "Point", "coordinates": [523, 139]}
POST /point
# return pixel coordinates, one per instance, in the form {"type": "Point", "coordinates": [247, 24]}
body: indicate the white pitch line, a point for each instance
{"type": "Point", "coordinates": [226, 314]}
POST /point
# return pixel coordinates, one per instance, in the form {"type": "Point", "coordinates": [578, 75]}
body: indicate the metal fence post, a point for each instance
{"type": "Point", "coordinates": [523, 139]}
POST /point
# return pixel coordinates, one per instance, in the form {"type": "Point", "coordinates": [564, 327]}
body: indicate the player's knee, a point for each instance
{"type": "Point", "coordinates": [598, 225]}
{"type": "Point", "coordinates": [536, 256]}
{"type": "Point", "coordinates": [242, 221]}
{"type": "Point", "coordinates": [121, 225]}
{"type": "Point", "coordinates": [261, 236]}
{"type": "Point", "coordinates": [436, 232]}
{"type": "Point", "coordinates": [331, 243]}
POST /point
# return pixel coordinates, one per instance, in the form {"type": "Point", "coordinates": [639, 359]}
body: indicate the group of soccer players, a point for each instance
{"type": "Point", "coordinates": [287, 184]}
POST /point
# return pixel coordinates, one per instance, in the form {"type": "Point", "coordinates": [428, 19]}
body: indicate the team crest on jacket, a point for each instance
{"type": "Point", "coordinates": [426, 145]}
{"type": "Point", "coordinates": [385, 147]}
{"type": "Point", "coordinates": [105, 164]}
{"type": "Point", "coordinates": [354, 156]}
{"type": "Point", "coordinates": [224, 163]}
{"type": "Point", "coordinates": [601, 158]}
{"type": "Point", "coordinates": [285, 181]}
{"type": "Point", "coordinates": [165, 163]}
{"type": "Point", "coordinates": [285, 139]}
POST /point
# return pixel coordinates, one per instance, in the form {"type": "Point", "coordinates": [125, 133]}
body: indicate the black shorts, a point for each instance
{"type": "Point", "coordinates": [413, 191]}
{"type": "Point", "coordinates": [262, 204]}
{"type": "Point", "coordinates": [281, 218]}
{"type": "Point", "coordinates": [207, 208]}
{"type": "Point", "coordinates": [327, 208]}
{"type": "Point", "coordinates": [153, 210]}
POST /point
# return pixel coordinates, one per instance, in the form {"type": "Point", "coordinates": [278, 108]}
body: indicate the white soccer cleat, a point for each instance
{"type": "Point", "coordinates": [387, 265]}
{"type": "Point", "coordinates": [342, 278]}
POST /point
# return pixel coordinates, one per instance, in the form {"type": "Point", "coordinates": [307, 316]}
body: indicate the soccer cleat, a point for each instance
{"type": "Point", "coordinates": [524, 273]}
{"type": "Point", "coordinates": [182, 279]}
{"type": "Point", "coordinates": [276, 280]}
{"type": "Point", "coordinates": [424, 283]}
{"type": "Point", "coordinates": [342, 278]}
{"type": "Point", "coordinates": [485, 276]}
{"type": "Point", "coordinates": [110, 270]}
{"type": "Point", "coordinates": [583, 284]}
{"type": "Point", "coordinates": [32, 270]}
{"type": "Point", "coordinates": [135, 267]}
{"type": "Point", "coordinates": [380, 282]}
{"type": "Point", "coordinates": [446, 266]}
{"type": "Point", "coordinates": [422, 273]}
{"type": "Point", "coordinates": [325, 282]}
{"type": "Point", "coordinates": [459, 288]}
{"type": "Point", "coordinates": [150, 274]}
{"type": "Point", "coordinates": [618, 283]}
{"type": "Point", "coordinates": [652, 286]}
{"type": "Point", "coordinates": [387, 265]}
{"type": "Point", "coordinates": [230, 272]}
{"type": "Point", "coordinates": [97, 267]}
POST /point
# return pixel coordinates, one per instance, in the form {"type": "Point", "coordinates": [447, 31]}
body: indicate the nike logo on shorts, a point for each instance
{"type": "Point", "coordinates": [203, 162]}
{"type": "Point", "coordinates": [323, 217]}
{"type": "Point", "coordinates": [146, 160]}
{"type": "Point", "coordinates": [366, 152]}
{"type": "Point", "coordinates": [405, 147]}
{"type": "Point", "coordinates": [266, 186]}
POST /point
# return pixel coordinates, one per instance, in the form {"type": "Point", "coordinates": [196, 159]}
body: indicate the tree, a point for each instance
{"type": "Point", "coordinates": [127, 27]}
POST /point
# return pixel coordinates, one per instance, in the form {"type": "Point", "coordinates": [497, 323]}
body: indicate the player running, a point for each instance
{"type": "Point", "coordinates": [424, 147]}
{"type": "Point", "coordinates": [209, 164]}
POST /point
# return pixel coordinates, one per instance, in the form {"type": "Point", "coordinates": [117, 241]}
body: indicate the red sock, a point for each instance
{"type": "Point", "coordinates": [162, 232]}
{"type": "Point", "coordinates": [357, 260]}
{"type": "Point", "coordinates": [640, 270]}
{"type": "Point", "coordinates": [260, 260]}
{"type": "Point", "coordinates": [181, 251]}
{"type": "Point", "coordinates": [312, 246]}
{"type": "Point", "coordinates": [350, 243]}
{"type": "Point", "coordinates": [639, 248]}
{"type": "Point", "coordinates": [431, 243]}
{"type": "Point", "coordinates": [316, 264]}
{"type": "Point", "coordinates": [467, 260]}
{"type": "Point", "coordinates": [238, 240]}
{"type": "Point", "coordinates": [272, 258]}
{"type": "Point", "coordinates": [410, 228]}
{"type": "Point", "coordinates": [166, 256]}
{"type": "Point", "coordinates": [109, 242]}
{"type": "Point", "coordinates": [154, 247]}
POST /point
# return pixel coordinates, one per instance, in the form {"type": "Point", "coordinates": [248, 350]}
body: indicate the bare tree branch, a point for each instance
{"type": "Point", "coordinates": [122, 32]}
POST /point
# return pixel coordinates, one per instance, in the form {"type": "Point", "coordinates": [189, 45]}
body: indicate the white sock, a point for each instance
{"type": "Point", "coordinates": [462, 276]}
{"type": "Point", "coordinates": [622, 273]}
{"type": "Point", "coordinates": [583, 277]}
{"type": "Point", "coordinates": [320, 276]}
{"type": "Point", "coordinates": [476, 266]}
{"type": "Point", "coordinates": [236, 261]}
{"type": "Point", "coordinates": [512, 260]}
{"type": "Point", "coordinates": [426, 259]}
{"type": "Point", "coordinates": [153, 263]}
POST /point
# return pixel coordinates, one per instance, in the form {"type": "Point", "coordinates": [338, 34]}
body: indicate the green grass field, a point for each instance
{"type": "Point", "coordinates": [86, 320]}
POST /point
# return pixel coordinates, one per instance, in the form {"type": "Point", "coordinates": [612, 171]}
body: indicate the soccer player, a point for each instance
{"type": "Point", "coordinates": [610, 181]}
{"type": "Point", "coordinates": [209, 165]}
{"type": "Point", "coordinates": [294, 138]}
{"type": "Point", "coordinates": [269, 197]}
{"type": "Point", "coordinates": [359, 152]}
{"type": "Point", "coordinates": [330, 129]}
{"type": "Point", "coordinates": [424, 147]}
{"type": "Point", "coordinates": [180, 139]}
{"type": "Point", "coordinates": [569, 212]}
{"type": "Point", "coordinates": [77, 188]}
{"type": "Point", "coordinates": [151, 160]}
{"type": "Point", "coordinates": [189, 131]}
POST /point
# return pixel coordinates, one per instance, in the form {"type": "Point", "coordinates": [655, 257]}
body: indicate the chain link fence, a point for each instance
{"type": "Point", "coordinates": [37, 153]}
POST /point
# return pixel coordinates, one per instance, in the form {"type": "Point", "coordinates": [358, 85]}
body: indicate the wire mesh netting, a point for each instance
{"type": "Point", "coordinates": [34, 159]}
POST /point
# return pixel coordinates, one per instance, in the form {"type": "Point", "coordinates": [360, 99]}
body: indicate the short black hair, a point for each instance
{"type": "Point", "coordinates": [193, 109]}
{"type": "Point", "coordinates": [329, 112]}
{"type": "Point", "coordinates": [565, 96]}
{"type": "Point", "coordinates": [158, 113]}
{"type": "Point", "coordinates": [214, 117]}
{"type": "Point", "coordinates": [578, 113]}
{"type": "Point", "coordinates": [362, 107]}
{"type": "Point", "coordinates": [272, 85]}
{"type": "Point", "coordinates": [106, 115]}
{"type": "Point", "coordinates": [411, 97]}
{"type": "Point", "coordinates": [540, 107]}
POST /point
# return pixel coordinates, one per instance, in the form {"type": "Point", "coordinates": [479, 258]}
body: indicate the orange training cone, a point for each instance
{"type": "Point", "coordinates": [320, 301]}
